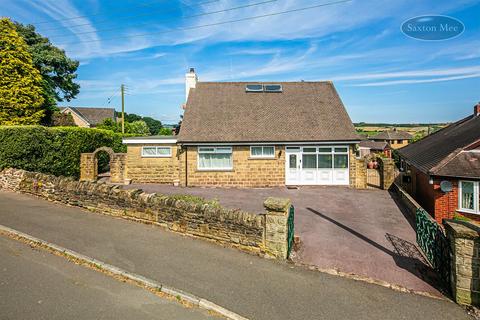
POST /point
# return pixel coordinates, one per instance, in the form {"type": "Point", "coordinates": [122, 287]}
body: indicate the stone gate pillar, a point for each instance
{"type": "Point", "coordinates": [275, 232]}
{"type": "Point", "coordinates": [464, 241]}
{"type": "Point", "coordinates": [117, 167]}
{"type": "Point", "coordinates": [88, 167]}
{"type": "Point", "coordinates": [388, 173]}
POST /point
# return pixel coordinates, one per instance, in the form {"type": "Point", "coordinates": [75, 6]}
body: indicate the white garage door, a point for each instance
{"type": "Point", "coordinates": [317, 165]}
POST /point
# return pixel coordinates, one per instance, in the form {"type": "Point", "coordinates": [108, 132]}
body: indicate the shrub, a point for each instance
{"type": "Point", "coordinates": [54, 150]}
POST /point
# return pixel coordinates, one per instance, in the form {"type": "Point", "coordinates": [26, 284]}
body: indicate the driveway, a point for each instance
{"type": "Point", "coordinates": [357, 231]}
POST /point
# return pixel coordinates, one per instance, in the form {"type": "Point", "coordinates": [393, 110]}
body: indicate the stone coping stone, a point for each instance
{"type": "Point", "coordinates": [277, 204]}
{"type": "Point", "coordinates": [462, 229]}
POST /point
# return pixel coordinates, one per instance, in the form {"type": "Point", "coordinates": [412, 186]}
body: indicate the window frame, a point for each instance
{"type": "Point", "coordinates": [476, 196]}
{"type": "Point", "coordinates": [215, 150]}
{"type": "Point", "coordinates": [262, 156]}
{"type": "Point", "coordinates": [156, 155]}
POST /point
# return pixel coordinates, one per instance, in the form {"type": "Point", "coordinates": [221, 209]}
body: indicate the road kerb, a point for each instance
{"type": "Point", "coordinates": [146, 282]}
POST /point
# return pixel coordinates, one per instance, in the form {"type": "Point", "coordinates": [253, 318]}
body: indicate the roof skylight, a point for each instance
{"type": "Point", "coordinates": [263, 88]}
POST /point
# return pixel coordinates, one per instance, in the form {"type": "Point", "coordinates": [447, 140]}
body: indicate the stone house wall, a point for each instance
{"type": "Point", "coordinates": [182, 213]}
{"type": "Point", "coordinates": [246, 172]}
{"type": "Point", "coordinates": [151, 170]}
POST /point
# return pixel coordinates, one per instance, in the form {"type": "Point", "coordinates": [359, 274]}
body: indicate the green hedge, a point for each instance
{"type": "Point", "coordinates": [54, 150]}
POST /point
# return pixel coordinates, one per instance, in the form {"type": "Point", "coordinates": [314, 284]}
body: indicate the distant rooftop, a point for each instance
{"type": "Point", "coordinates": [393, 135]}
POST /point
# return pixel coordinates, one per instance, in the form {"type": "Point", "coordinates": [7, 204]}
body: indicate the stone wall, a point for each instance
{"type": "Point", "coordinates": [464, 240]}
{"type": "Point", "coordinates": [407, 201]}
{"type": "Point", "coordinates": [151, 170]}
{"type": "Point", "coordinates": [246, 172]}
{"type": "Point", "coordinates": [182, 213]}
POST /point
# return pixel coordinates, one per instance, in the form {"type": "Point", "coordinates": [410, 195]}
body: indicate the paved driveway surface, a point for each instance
{"type": "Point", "coordinates": [358, 231]}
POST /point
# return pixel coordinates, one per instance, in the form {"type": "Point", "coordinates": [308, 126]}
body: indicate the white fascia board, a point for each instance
{"type": "Point", "coordinates": [268, 143]}
{"type": "Point", "coordinates": [149, 141]}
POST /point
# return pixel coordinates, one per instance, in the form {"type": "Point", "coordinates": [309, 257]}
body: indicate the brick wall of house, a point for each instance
{"type": "Point", "coordinates": [151, 170]}
{"type": "Point", "coordinates": [421, 190]}
{"type": "Point", "coordinates": [246, 172]}
{"type": "Point", "coordinates": [439, 204]}
{"type": "Point", "coordinates": [446, 204]}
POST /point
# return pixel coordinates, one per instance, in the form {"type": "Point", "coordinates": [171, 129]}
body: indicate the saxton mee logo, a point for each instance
{"type": "Point", "coordinates": [433, 27]}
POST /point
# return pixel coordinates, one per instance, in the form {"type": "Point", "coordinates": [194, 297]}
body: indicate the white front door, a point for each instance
{"type": "Point", "coordinates": [292, 170]}
{"type": "Point", "coordinates": [317, 165]}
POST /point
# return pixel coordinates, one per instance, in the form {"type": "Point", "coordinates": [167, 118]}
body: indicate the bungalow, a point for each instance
{"type": "Point", "coordinates": [89, 117]}
{"type": "Point", "coordinates": [252, 134]}
{"type": "Point", "coordinates": [395, 138]}
{"type": "Point", "coordinates": [443, 169]}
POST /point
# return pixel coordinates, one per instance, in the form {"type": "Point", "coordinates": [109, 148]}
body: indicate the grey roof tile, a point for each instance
{"type": "Point", "coordinates": [303, 111]}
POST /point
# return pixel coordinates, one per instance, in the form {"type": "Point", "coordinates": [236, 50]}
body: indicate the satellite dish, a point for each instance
{"type": "Point", "coordinates": [446, 186]}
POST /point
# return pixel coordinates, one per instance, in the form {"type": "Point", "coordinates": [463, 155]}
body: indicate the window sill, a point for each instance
{"type": "Point", "coordinates": [156, 156]}
{"type": "Point", "coordinates": [215, 170]}
{"type": "Point", "coordinates": [468, 211]}
{"type": "Point", "coordinates": [261, 158]}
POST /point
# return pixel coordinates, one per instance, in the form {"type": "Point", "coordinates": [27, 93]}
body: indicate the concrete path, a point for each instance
{"type": "Point", "coordinates": [248, 285]}
{"type": "Point", "coordinates": [38, 285]}
{"type": "Point", "coordinates": [358, 231]}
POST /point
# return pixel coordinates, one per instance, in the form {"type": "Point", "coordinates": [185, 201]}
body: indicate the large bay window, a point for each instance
{"type": "Point", "coordinates": [469, 196]}
{"type": "Point", "coordinates": [215, 158]}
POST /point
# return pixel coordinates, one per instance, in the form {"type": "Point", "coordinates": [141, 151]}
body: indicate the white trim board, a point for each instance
{"type": "Point", "coordinates": [266, 143]}
{"type": "Point", "coordinates": [149, 141]}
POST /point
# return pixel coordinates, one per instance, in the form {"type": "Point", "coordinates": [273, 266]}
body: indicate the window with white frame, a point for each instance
{"type": "Point", "coordinates": [262, 152]}
{"type": "Point", "coordinates": [215, 158]}
{"type": "Point", "coordinates": [469, 196]}
{"type": "Point", "coordinates": [156, 152]}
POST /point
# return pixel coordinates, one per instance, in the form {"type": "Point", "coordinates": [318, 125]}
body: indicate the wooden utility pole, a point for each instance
{"type": "Point", "coordinates": [122, 89]}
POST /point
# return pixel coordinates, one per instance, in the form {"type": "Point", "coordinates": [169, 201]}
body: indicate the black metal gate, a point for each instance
{"type": "Point", "coordinates": [434, 244]}
{"type": "Point", "coordinates": [291, 227]}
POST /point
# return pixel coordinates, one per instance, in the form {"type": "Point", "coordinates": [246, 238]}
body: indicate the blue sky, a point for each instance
{"type": "Point", "coordinates": [381, 75]}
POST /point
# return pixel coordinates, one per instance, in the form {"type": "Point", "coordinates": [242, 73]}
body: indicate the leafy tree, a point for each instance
{"type": "Point", "coordinates": [57, 70]}
{"type": "Point", "coordinates": [153, 125]}
{"type": "Point", "coordinates": [20, 83]}
{"type": "Point", "coordinates": [109, 124]}
{"type": "Point", "coordinates": [130, 117]}
{"type": "Point", "coordinates": [137, 127]}
{"type": "Point", "coordinates": [165, 132]}
{"type": "Point", "coordinates": [62, 120]}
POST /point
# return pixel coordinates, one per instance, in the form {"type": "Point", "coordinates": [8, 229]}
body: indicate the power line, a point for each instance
{"type": "Point", "coordinates": [144, 4]}
{"type": "Point", "coordinates": [213, 24]}
{"type": "Point", "coordinates": [151, 12]}
{"type": "Point", "coordinates": [185, 17]}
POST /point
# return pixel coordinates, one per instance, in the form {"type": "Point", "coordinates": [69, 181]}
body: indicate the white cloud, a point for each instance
{"type": "Point", "coordinates": [411, 73]}
{"type": "Point", "coordinates": [413, 81]}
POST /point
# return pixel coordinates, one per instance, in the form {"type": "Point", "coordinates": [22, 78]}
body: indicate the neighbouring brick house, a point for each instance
{"type": "Point", "coordinates": [252, 134]}
{"type": "Point", "coordinates": [395, 138]}
{"type": "Point", "coordinates": [89, 117]}
{"type": "Point", "coordinates": [367, 147]}
{"type": "Point", "coordinates": [450, 156]}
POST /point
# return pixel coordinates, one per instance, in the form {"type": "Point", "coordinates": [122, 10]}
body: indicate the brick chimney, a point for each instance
{"type": "Point", "coordinates": [476, 109]}
{"type": "Point", "coordinates": [190, 82]}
